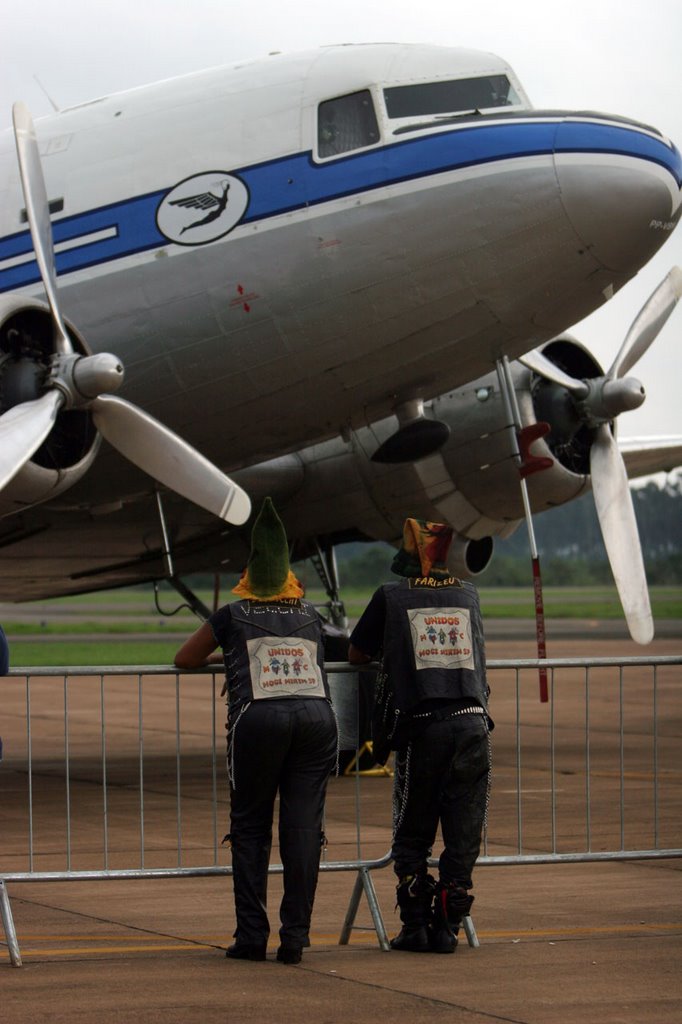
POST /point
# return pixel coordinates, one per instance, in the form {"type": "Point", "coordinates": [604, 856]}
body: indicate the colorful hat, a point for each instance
{"type": "Point", "coordinates": [267, 576]}
{"type": "Point", "coordinates": [424, 551]}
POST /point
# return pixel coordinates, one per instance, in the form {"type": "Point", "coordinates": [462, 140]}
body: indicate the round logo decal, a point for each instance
{"type": "Point", "coordinates": [202, 208]}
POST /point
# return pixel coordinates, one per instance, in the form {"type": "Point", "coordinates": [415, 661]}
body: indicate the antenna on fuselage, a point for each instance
{"type": "Point", "coordinates": [51, 101]}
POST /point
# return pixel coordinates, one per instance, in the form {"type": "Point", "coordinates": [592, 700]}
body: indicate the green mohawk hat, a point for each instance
{"type": "Point", "coordinates": [268, 576]}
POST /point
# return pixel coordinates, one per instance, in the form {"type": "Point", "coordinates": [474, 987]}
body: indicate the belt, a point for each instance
{"type": "Point", "coordinates": [444, 715]}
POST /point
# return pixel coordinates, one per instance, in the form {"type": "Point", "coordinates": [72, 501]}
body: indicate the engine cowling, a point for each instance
{"type": "Point", "coordinates": [478, 458]}
{"type": "Point", "coordinates": [26, 350]}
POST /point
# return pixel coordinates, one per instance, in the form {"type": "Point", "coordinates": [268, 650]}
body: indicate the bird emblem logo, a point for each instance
{"type": "Point", "coordinates": [202, 208]}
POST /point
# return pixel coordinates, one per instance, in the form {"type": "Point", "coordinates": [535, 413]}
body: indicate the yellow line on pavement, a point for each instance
{"type": "Point", "coordinates": [207, 939]}
{"type": "Point", "coordinates": [89, 950]}
{"type": "Point", "coordinates": [615, 929]}
{"type": "Point", "coordinates": [147, 944]}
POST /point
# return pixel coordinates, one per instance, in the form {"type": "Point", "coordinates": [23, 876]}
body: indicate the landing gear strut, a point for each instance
{"type": "Point", "coordinates": [191, 601]}
{"type": "Point", "coordinates": [324, 561]}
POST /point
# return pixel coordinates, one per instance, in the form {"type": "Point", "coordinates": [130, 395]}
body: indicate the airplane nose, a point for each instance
{"type": "Point", "coordinates": [620, 187]}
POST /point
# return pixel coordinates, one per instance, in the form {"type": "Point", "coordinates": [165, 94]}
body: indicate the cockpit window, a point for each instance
{"type": "Point", "coordinates": [458, 96]}
{"type": "Point", "coordinates": [346, 123]}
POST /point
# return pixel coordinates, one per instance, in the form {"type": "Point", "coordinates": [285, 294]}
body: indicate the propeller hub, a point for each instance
{"type": "Point", "coordinates": [607, 398]}
{"type": "Point", "coordinates": [81, 379]}
{"type": "Point", "coordinates": [96, 375]}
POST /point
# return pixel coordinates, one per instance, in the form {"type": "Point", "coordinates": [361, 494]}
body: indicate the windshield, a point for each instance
{"type": "Point", "coordinates": [456, 96]}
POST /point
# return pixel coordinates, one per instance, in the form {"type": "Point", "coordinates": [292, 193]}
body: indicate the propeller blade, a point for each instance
{"type": "Point", "coordinates": [37, 210]}
{"type": "Point", "coordinates": [544, 367]}
{"type": "Point", "coordinates": [23, 428]}
{"type": "Point", "coordinates": [648, 322]}
{"type": "Point", "coordinates": [169, 459]}
{"type": "Point", "coordinates": [616, 515]}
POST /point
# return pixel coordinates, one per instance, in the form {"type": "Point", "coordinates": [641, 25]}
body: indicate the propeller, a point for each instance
{"type": "Point", "coordinates": [596, 402]}
{"type": "Point", "coordinates": [86, 382]}
{"type": "Point", "coordinates": [22, 431]}
{"type": "Point", "coordinates": [616, 515]}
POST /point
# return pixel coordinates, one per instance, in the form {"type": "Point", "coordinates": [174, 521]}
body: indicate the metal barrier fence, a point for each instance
{"type": "Point", "coordinates": [591, 775]}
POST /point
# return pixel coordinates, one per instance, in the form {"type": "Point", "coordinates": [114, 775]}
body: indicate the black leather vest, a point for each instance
{"type": "Point", "coordinates": [276, 651]}
{"type": "Point", "coordinates": [433, 642]}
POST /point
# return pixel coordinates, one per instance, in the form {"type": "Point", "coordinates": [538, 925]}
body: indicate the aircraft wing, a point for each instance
{"type": "Point", "coordinates": [645, 455]}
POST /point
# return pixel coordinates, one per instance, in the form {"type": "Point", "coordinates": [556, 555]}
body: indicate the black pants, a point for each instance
{"type": "Point", "coordinates": [441, 777]}
{"type": "Point", "coordinates": [286, 744]}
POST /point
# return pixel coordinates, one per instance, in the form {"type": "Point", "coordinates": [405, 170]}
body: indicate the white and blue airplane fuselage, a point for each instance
{"type": "Point", "coordinates": [332, 282]}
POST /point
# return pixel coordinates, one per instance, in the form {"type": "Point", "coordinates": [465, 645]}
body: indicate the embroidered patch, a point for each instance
{"type": "Point", "coordinates": [284, 667]}
{"type": "Point", "coordinates": [441, 637]}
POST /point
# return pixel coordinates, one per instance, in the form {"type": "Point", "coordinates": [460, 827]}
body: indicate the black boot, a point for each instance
{"type": "Point", "coordinates": [245, 951]}
{"type": "Point", "coordinates": [414, 895]}
{"type": "Point", "coordinates": [451, 903]}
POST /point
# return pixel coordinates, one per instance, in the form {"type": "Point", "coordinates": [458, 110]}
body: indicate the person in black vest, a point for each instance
{"type": "Point", "coordinates": [428, 632]}
{"type": "Point", "coordinates": [282, 736]}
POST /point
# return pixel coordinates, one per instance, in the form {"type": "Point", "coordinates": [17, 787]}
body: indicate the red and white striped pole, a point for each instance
{"type": "Point", "coordinates": [527, 463]}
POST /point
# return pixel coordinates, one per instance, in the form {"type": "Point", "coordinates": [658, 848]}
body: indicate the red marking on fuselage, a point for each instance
{"type": "Point", "coordinates": [244, 300]}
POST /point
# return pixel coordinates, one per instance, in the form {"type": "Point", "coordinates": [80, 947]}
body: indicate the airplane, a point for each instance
{"type": "Point", "coordinates": [342, 278]}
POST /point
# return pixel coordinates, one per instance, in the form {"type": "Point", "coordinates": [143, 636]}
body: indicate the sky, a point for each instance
{"type": "Point", "coordinates": [615, 56]}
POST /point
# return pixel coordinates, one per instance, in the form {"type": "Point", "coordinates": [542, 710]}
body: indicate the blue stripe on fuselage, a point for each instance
{"type": "Point", "coordinates": [132, 220]}
{"type": "Point", "coordinates": [290, 183]}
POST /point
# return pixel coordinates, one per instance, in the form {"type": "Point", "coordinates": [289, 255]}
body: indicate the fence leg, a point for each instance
{"type": "Point", "coordinates": [371, 895]}
{"type": "Point", "coordinates": [364, 882]}
{"type": "Point", "coordinates": [352, 911]}
{"type": "Point", "coordinates": [8, 923]}
{"type": "Point", "coordinates": [470, 931]}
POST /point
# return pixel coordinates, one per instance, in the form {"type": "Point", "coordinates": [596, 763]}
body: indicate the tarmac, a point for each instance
{"type": "Point", "coordinates": [596, 942]}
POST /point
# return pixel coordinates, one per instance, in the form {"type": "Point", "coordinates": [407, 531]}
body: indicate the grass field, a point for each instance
{"type": "Point", "coordinates": [124, 627]}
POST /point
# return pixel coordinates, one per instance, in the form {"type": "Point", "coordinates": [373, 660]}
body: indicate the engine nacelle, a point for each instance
{"type": "Point", "coordinates": [471, 482]}
{"type": "Point", "coordinates": [479, 461]}
{"type": "Point", "coordinates": [26, 349]}
{"type": "Point", "coordinates": [34, 483]}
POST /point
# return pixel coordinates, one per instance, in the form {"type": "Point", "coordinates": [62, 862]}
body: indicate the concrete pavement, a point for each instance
{"type": "Point", "coordinates": [596, 943]}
